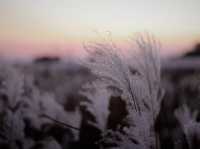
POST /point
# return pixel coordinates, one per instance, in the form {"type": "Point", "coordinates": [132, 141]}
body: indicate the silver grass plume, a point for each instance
{"type": "Point", "coordinates": [189, 124]}
{"type": "Point", "coordinates": [137, 79]}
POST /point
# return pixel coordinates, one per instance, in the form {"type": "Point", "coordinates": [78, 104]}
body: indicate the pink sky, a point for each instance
{"type": "Point", "coordinates": [59, 27]}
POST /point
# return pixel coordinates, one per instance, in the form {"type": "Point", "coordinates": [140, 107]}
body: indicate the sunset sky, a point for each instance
{"type": "Point", "coordinates": [60, 27]}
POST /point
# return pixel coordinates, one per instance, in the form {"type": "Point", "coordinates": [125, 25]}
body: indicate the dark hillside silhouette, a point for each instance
{"type": "Point", "coordinates": [47, 59]}
{"type": "Point", "coordinates": [195, 52]}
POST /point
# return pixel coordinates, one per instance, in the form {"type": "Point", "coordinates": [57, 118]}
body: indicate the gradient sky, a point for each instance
{"type": "Point", "coordinates": [34, 27]}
